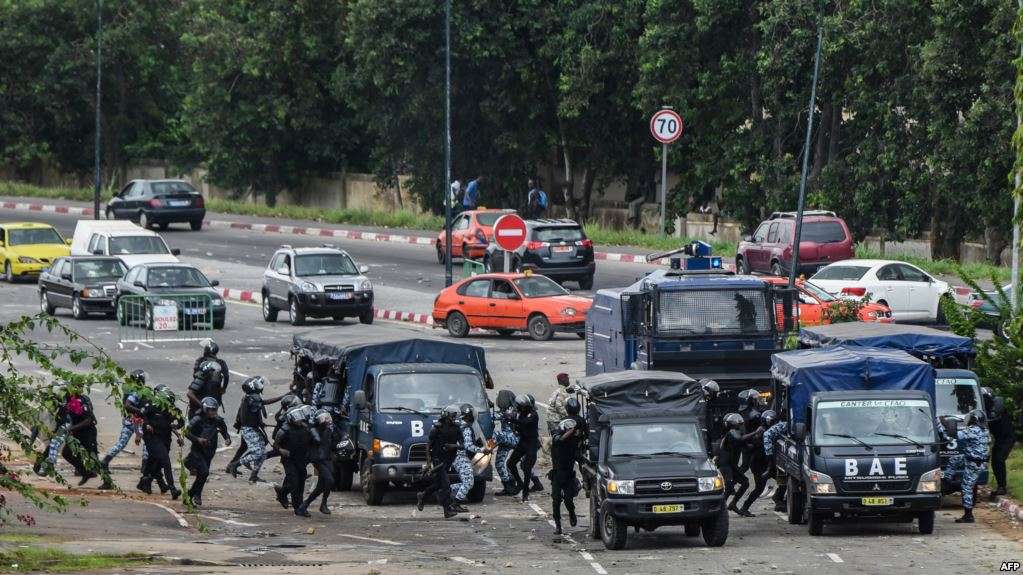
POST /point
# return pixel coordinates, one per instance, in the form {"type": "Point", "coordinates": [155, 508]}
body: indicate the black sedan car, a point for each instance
{"type": "Point", "coordinates": [169, 284]}
{"type": "Point", "coordinates": [558, 249]}
{"type": "Point", "coordinates": [84, 284]}
{"type": "Point", "coordinates": [158, 203]}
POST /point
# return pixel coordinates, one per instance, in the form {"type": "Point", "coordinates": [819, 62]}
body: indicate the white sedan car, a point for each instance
{"type": "Point", "coordinates": [911, 293]}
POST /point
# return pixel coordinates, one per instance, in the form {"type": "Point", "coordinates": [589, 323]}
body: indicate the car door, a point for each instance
{"type": "Point", "coordinates": [811, 311]}
{"type": "Point", "coordinates": [474, 302]}
{"type": "Point", "coordinates": [117, 205]}
{"type": "Point", "coordinates": [282, 279]}
{"type": "Point", "coordinates": [890, 289]}
{"type": "Point", "coordinates": [756, 255]}
{"type": "Point", "coordinates": [458, 230]}
{"type": "Point", "coordinates": [920, 295]}
{"type": "Point", "coordinates": [507, 310]}
{"type": "Point", "coordinates": [63, 286]}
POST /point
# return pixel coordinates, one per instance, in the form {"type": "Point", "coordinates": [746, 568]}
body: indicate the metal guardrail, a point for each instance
{"type": "Point", "coordinates": [164, 317]}
{"type": "Point", "coordinates": [472, 267]}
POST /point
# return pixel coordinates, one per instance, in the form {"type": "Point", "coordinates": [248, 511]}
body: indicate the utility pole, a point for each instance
{"type": "Point", "coordinates": [99, 92]}
{"type": "Point", "coordinates": [447, 143]}
{"type": "Point", "coordinates": [1015, 303]}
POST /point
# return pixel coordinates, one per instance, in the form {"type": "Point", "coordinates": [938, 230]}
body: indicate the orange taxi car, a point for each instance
{"type": "Point", "coordinates": [814, 300]}
{"type": "Point", "coordinates": [508, 303]}
{"type": "Point", "coordinates": [471, 232]}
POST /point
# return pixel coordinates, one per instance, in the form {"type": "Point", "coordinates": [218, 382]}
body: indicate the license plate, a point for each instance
{"type": "Point", "coordinates": [179, 203]}
{"type": "Point", "coordinates": [876, 501]}
{"type": "Point", "coordinates": [341, 295]}
{"type": "Point", "coordinates": [195, 311]}
{"type": "Point", "coordinates": [561, 249]}
{"type": "Point", "coordinates": [668, 508]}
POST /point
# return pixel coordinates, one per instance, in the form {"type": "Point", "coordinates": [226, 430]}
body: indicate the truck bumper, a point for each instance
{"type": "Point", "coordinates": [901, 504]}
{"type": "Point", "coordinates": [635, 510]}
{"type": "Point", "coordinates": [412, 473]}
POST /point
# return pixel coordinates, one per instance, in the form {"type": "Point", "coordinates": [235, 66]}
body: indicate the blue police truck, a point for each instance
{"type": "Point", "coordinates": [390, 393]}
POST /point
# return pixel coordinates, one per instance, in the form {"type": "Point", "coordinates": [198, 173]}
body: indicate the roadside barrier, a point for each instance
{"type": "Point", "coordinates": [164, 317]}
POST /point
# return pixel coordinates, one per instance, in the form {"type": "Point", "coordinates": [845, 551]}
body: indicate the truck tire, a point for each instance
{"type": "Point", "coordinates": [372, 491]}
{"type": "Point", "coordinates": [692, 529]}
{"type": "Point", "coordinates": [478, 491]}
{"type": "Point", "coordinates": [613, 532]}
{"type": "Point", "coordinates": [814, 520]}
{"type": "Point", "coordinates": [715, 529]}
{"type": "Point", "coordinates": [594, 530]}
{"type": "Point", "coordinates": [925, 522]}
{"type": "Point", "coordinates": [344, 475]}
{"type": "Point", "coordinates": [795, 502]}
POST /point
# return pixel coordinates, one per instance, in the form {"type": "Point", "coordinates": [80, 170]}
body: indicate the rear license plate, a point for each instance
{"type": "Point", "coordinates": [341, 295]}
{"type": "Point", "coordinates": [196, 311]}
{"type": "Point", "coordinates": [668, 508]}
{"type": "Point", "coordinates": [876, 501]}
{"type": "Point", "coordinates": [561, 249]}
{"type": "Point", "coordinates": [179, 203]}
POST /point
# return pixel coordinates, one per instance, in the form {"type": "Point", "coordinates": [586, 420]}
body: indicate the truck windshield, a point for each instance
{"type": "Point", "coordinates": [707, 311]}
{"type": "Point", "coordinates": [128, 245]}
{"type": "Point", "coordinates": [655, 439]}
{"type": "Point", "coordinates": [429, 392]}
{"type": "Point", "coordinates": [956, 396]}
{"type": "Point", "coordinates": [874, 422]}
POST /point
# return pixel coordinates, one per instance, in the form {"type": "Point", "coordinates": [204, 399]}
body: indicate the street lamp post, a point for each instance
{"type": "Point", "coordinates": [447, 142]}
{"type": "Point", "coordinates": [99, 83]}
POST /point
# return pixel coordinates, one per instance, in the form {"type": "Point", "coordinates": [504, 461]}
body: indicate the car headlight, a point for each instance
{"type": "Point", "coordinates": [92, 292]}
{"type": "Point", "coordinates": [27, 260]}
{"type": "Point", "coordinates": [366, 285]}
{"type": "Point", "coordinates": [621, 487]}
{"type": "Point", "coordinates": [872, 314]}
{"type": "Point", "coordinates": [716, 483]}
{"type": "Point", "coordinates": [569, 312]}
{"type": "Point", "coordinates": [308, 287]}
{"type": "Point", "coordinates": [821, 483]}
{"type": "Point", "coordinates": [217, 301]}
{"type": "Point", "coordinates": [390, 450]}
{"type": "Point", "coordinates": [930, 482]}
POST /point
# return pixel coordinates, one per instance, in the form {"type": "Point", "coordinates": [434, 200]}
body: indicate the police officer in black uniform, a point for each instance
{"type": "Point", "coordinates": [206, 383]}
{"type": "Point", "coordinates": [202, 431]}
{"type": "Point", "coordinates": [999, 423]}
{"type": "Point", "coordinates": [209, 353]}
{"type": "Point", "coordinates": [527, 427]}
{"type": "Point", "coordinates": [444, 441]}
{"type": "Point", "coordinates": [564, 483]}
{"type": "Point", "coordinates": [728, 459]}
{"type": "Point", "coordinates": [161, 420]}
{"type": "Point", "coordinates": [294, 441]}
{"type": "Point", "coordinates": [321, 455]}
{"type": "Point", "coordinates": [758, 462]}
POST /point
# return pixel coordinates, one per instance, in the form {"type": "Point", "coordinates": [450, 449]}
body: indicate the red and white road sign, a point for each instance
{"type": "Point", "coordinates": [510, 232]}
{"type": "Point", "coordinates": [666, 126]}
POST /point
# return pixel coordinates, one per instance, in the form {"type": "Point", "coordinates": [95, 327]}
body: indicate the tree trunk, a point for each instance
{"type": "Point", "coordinates": [589, 174]}
{"type": "Point", "coordinates": [569, 185]}
{"type": "Point", "coordinates": [994, 242]}
{"type": "Point", "coordinates": [819, 158]}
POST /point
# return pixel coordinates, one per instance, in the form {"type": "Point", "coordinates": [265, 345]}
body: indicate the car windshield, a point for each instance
{"type": "Point", "coordinates": [160, 188]}
{"type": "Point", "coordinates": [817, 292]}
{"type": "Point", "coordinates": [565, 234]}
{"type": "Point", "coordinates": [429, 392]}
{"type": "Point", "coordinates": [539, 286]}
{"type": "Point", "coordinates": [822, 232]}
{"type": "Point", "coordinates": [489, 218]}
{"type": "Point", "coordinates": [176, 277]}
{"type": "Point", "coordinates": [873, 422]}
{"type": "Point", "coordinates": [836, 272]}
{"type": "Point", "coordinates": [324, 265]}
{"type": "Point", "coordinates": [88, 270]}
{"type": "Point", "coordinates": [129, 245]}
{"type": "Point", "coordinates": [956, 396]}
{"type": "Point", "coordinates": [33, 236]}
{"type": "Point", "coordinates": [655, 438]}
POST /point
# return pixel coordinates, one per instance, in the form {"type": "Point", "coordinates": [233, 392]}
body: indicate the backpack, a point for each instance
{"type": "Point", "coordinates": [542, 199]}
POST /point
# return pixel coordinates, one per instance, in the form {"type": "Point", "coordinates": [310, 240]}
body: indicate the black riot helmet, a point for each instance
{"type": "Point", "coordinates": [532, 400]}
{"type": "Point", "coordinates": [733, 421]}
{"type": "Point", "coordinates": [975, 417]}
{"type": "Point", "coordinates": [290, 400]}
{"type": "Point", "coordinates": [522, 402]}
{"type": "Point", "coordinates": [749, 398]}
{"type": "Point", "coordinates": [160, 388]}
{"type": "Point", "coordinates": [467, 413]}
{"type": "Point", "coordinates": [566, 425]}
{"type": "Point", "coordinates": [254, 385]}
{"type": "Point", "coordinates": [769, 417]}
{"type": "Point", "coordinates": [211, 349]}
{"type": "Point", "coordinates": [138, 376]}
{"type": "Point", "coordinates": [710, 387]}
{"type": "Point", "coordinates": [450, 412]}
{"type": "Point", "coordinates": [209, 370]}
{"type": "Point", "coordinates": [572, 406]}
{"type": "Point", "coordinates": [210, 404]}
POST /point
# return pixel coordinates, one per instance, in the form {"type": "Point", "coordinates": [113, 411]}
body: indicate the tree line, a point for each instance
{"type": "Point", "coordinates": [913, 124]}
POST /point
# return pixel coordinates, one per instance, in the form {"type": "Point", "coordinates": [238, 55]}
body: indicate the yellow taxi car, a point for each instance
{"type": "Point", "coordinates": [28, 248]}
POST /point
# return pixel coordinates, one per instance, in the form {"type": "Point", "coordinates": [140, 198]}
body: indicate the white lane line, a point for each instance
{"type": "Point", "coordinates": [586, 556]}
{"type": "Point", "coordinates": [382, 541]}
{"type": "Point", "coordinates": [463, 560]}
{"type": "Point", "coordinates": [834, 557]}
{"type": "Point", "coordinates": [229, 521]}
{"type": "Point", "coordinates": [597, 567]}
{"type": "Point", "coordinates": [143, 344]}
{"type": "Point", "coordinates": [261, 328]}
{"type": "Point", "coordinates": [538, 510]}
{"type": "Point", "coordinates": [238, 373]}
{"type": "Point", "coordinates": [781, 516]}
{"type": "Point", "coordinates": [175, 514]}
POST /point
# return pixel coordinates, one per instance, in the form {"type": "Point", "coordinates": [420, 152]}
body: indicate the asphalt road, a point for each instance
{"type": "Point", "coordinates": [242, 529]}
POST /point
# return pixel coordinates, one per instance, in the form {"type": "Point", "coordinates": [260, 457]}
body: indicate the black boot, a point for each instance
{"type": "Point", "coordinates": [572, 519]}
{"type": "Point", "coordinates": [967, 516]}
{"type": "Point", "coordinates": [145, 485]}
{"type": "Point", "coordinates": [232, 468]}
{"type": "Point", "coordinates": [510, 488]}
{"type": "Point", "coordinates": [458, 507]}
{"type": "Point", "coordinates": [744, 512]}
{"type": "Point", "coordinates": [254, 478]}
{"type": "Point", "coordinates": [86, 476]}
{"type": "Point", "coordinates": [324, 509]}
{"type": "Point", "coordinates": [536, 485]}
{"type": "Point", "coordinates": [301, 511]}
{"type": "Point", "coordinates": [175, 493]}
{"type": "Point", "coordinates": [557, 527]}
{"type": "Point", "coordinates": [162, 485]}
{"type": "Point", "coordinates": [420, 500]}
{"type": "Point", "coordinates": [449, 513]}
{"type": "Point", "coordinates": [282, 497]}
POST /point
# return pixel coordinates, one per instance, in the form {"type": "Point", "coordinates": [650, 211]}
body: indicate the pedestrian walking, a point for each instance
{"type": "Point", "coordinates": [202, 431]}
{"type": "Point", "coordinates": [444, 440]}
{"type": "Point", "coordinates": [999, 423]}
{"type": "Point", "coordinates": [536, 200]}
{"type": "Point", "coordinates": [472, 194]}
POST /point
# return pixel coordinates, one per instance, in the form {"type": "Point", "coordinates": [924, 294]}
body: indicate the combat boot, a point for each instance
{"type": "Point", "coordinates": [967, 516]}
{"type": "Point", "coordinates": [449, 513]}
{"type": "Point", "coordinates": [510, 488]}
{"type": "Point", "coordinates": [324, 509]}
{"type": "Point", "coordinates": [302, 511]}
{"type": "Point", "coordinates": [232, 468]}
{"type": "Point", "coordinates": [145, 485]}
{"type": "Point", "coordinates": [420, 500]}
{"type": "Point", "coordinates": [572, 519]}
{"type": "Point", "coordinates": [537, 485]}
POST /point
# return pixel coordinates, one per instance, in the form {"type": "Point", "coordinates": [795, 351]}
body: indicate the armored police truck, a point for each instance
{"type": "Point", "coordinates": [648, 458]}
{"type": "Point", "coordinates": [861, 440]}
{"type": "Point", "coordinates": [389, 394]}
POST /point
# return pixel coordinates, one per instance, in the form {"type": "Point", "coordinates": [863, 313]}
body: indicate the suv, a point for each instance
{"type": "Point", "coordinates": [316, 282]}
{"type": "Point", "coordinates": [824, 239]}
{"type": "Point", "coordinates": [557, 249]}
{"type": "Point", "coordinates": [159, 203]}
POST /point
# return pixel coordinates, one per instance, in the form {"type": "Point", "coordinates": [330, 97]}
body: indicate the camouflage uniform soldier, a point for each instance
{"type": "Point", "coordinates": [556, 404]}
{"type": "Point", "coordinates": [971, 461]}
{"type": "Point", "coordinates": [506, 440]}
{"type": "Point", "coordinates": [463, 462]}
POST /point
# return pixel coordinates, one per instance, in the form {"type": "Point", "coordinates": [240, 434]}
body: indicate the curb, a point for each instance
{"type": "Point", "coordinates": [246, 296]}
{"type": "Point", "coordinates": [1010, 508]}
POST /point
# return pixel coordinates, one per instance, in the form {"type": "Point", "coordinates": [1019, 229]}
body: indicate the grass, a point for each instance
{"type": "Point", "coordinates": [50, 560]}
{"type": "Point", "coordinates": [8, 188]}
{"type": "Point", "coordinates": [1013, 473]}
{"type": "Point", "coordinates": [396, 219]}
{"type": "Point", "coordinates": [654, 242]}
{"type": "Point", "coordinates": [979, 271]}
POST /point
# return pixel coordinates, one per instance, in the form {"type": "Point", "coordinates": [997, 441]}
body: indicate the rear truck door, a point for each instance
{"type": "Point", "coordinates": [506, 307]}
{"type": "Point", "coordinates": [891, 289]}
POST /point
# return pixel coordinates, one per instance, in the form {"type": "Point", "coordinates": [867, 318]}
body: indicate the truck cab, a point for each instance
{"type": "Point", "coordinates": [647, 461]}
{"type": "Point", "coordinates": [957, 392]}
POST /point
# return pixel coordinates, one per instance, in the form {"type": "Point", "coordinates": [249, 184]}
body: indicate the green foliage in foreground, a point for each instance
{"type": "Point", "coordinates": [50, 560]}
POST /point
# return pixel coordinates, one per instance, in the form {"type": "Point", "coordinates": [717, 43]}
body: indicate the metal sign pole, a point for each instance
{"type": "Point", "coordinates": [664, 184]}
{"type": "Point", "coordinates": [507, 262]}
{"type": "Point", "coordinates": [447, 143]}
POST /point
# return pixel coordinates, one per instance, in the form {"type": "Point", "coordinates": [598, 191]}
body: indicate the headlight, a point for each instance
{"type": "Point", "coordinates": [872, 314]}
{"type": "Point", "coordinates": [568, 312]}
{"type": "Point", "coordinates": [217, 301]}
{"type": "Point", "coordinates": [821, 483]}
{"type": "Point", "coordinates": [930, 482]}
{"type": "Point", "coordinates": [390, 450]}
{"type": "Point", "coordinates": [366, 285]}
{"type": "Point", "coordinates": [622, 487]}
{"type": "Point", "coordinates": [308, 287]}
{"type": "Point", "coordinates": [92, 292]}
{"type": "Point", "coordinates": [715, 483]}
{"type": "Point", "coordinates": [27, 260]}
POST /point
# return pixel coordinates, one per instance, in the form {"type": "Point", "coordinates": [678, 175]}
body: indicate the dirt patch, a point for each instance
{"type": "Point", "coordinates": [997, 520]}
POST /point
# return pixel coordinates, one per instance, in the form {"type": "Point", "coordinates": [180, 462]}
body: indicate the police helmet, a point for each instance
{"type": "Point", "coordinates": [210, 403]}
{"type": "Point", "coordinates": [211, 349]}
{"type": "Point", "coordinates": [160, 388]}
{"type": "Point", "coordinates": [532, 400]}
{"type": "Point", "coordinates": [209, 369]}
{"type": "Point", "coordinates": [987, 393]}
{"type": "Point", "coordinates": [710, 387]}
{"type": "Point", "coordinates": [733, 421]}
{"type": "Point", "coordinates": [572, 406]}
{"type": "Point", "coordinates": [749, 398]}
{"type": "Point", "coordinates": [505, 399]}
{"type": "Point", "coordinates": [467, 413]}
{"type": "Point", "coordinates": [450, 412]}
{"type": "Point", "coordinates": [299, 415]}
{"type": "Point", "coordinates": [138, 376]}
{"type": "Point", "coordinates": [169, 396]}
{"type": "Point", "coordinates": [975, 417]}
{"type": "Point", "coordinates": [522, 402]}
{"type": "Point", "coordinates": [247, 385]}
{"type": "Point", "coordinates": [769, 417]}
{"type": "Point", "coordinates": [290, 400]}
{"type": "Point", "coordinates": [567, 424]}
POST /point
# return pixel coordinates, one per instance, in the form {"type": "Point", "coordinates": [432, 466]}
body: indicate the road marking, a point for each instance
{"type": "Point", "coordinates": [538, 510]}
{"type": "Point", "coordinates": [175, 514]}
{"type": "Point", "coordinates": [586, 556]}
{"type": "Point", "coordinates": [383, 541]}
{"type": "Point", "coordinates": [238, 373]}
{"type": "Point", "coordinates": [834, 557]}
{"type": "Point", "coordinates": [261, 328]}
{"type": "Point", "coordinates": [143, 344]}
{"type": "Point", "coordinates": [781, 515]}
{"type": "Point", "coordinates": [463, 560]}
{"type": "Point", "coordinates": [230, 521]}
{"type": "Point", "coordinates": [597, 567]}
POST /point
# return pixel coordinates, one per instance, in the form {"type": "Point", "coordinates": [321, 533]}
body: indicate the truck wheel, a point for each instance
{"type": "Point", "coordinates": [925, 522]}
{"type": "Point", "coordinates": [692, 529]}
{"type": "Point", "coordinates": [540, 328]}
{"type": "Point", "coordinates": [594, 530]}
{"type": "Point", "coordinates": [814, 520]}
{"type": "Point", "coordinates": [478, 491]}
{"type": "Point", "coordinates": [795, 502]}
{"type": "Point", "coordinates": [344, 474]}
{"type": "Point", "coordinates": [613, 532]}
{"type": "Point", "coordinates": [372, 491]}
{"type": "Point", "coordinates": [715, 529]}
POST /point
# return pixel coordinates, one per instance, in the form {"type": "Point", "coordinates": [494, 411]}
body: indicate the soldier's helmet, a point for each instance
{"type": "Point", "coordinates": [733, 421]}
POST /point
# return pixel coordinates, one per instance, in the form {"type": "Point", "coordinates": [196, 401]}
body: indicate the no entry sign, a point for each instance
{"type": "Point", "coordinates": [666, 126]}
{"type": "Point", "coordinates": [509, 232]}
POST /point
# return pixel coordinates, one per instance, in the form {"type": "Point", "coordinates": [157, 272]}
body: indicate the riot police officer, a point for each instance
{"type": "Point", "coordinates": [160, 422]}
{"type": "Point", "coordinates": [564, 483]}
{"type": "Point", "coordinates": [729, 454]}
{"type": "Point", "coordinates": [249, 423]}
{"type": "Point", "coordinates": [471, 445]}
{"type": "Point", "coordinates": [130, 425]}
{"type": "Point", "coordinates": [711, 391]}
{"type": "Point", "coordinates": [202, 431]}
{"type": "Point", "coordinates": [293, 441]}
{"type": "Point", "coordinates": [506, 440]}
{"type": "Point", "coordinates": [999, 423]}
{"type": "Point", "coordinates": [322, 457]}
{"type": "Point", "coordinates": [759, 463]}
{"type": "Point", "coordinates": [206, 383]}
{"type": "Point", "coordinates": [210, 352]}
{"type": "Point", "coordinates": [971, 461]}
{"type": "Point", "coordinates": [527, 427]}
{"type": "Point", "coordinates": [445, 437]}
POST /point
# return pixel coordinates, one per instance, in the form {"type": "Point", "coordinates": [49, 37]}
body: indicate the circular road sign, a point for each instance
{"type": "Point", "coordinates": [510, 232]}
{"type": "Point", "coordinates": [666, 126]}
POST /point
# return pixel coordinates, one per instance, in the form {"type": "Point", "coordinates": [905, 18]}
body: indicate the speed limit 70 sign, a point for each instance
{"type": "Point", "coordinates": [666, 126]}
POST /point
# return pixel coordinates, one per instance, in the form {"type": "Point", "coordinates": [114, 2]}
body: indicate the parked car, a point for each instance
{"type": "Point", "coordinates": [316, 282]}
{"type": "Point", "coordinates": [158, 203]}
{"type": "Point", "coordinates": [911, 293]}
{"type": "Point", "coordinates": [813, 301]}
{"type": "Point", "coordinates": [27, 248]}
{"type": "Point", "coordinates": [167, 279]}
{"type": "Point", "coordinates": [824, 239]}
{"type": "Point", "coordinates": [508, 303]}
{"type": "Point", "coordinates": [124, 240]}
{"type": "Point", "coordinates": [558, 249]}
{"type": "Point", "coordinates": [83, 284]}
{"type": "Point", "coordinates": [471, 232]}
{"type": "Point", "coordinates": [991, 317]}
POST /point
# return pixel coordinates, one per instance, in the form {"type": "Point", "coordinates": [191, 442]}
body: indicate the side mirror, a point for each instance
{"type": "Point", "coordinates": [359, 399]}
{"type": "Point", "coordinates": [175, 252]}
{"type": "Point", "coordinates": [363, 269]}
{"type": "Point", "coordinates": [214, 283]}
{"type": "Point", "coordinates": [66, 241]}
{"type": "Point", "coordinates": [799, 431]}
{"type": "Point", "coordinates": [139, 284]}
{"type": "Point", "coordinates": [488, 382]}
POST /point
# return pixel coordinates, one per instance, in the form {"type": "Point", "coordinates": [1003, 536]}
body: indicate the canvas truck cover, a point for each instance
{"type": "Point", "coordinates": [638, 393]}
{"type": "Point", "coordinates": [841, 368]}
{"type": "Point", "coordinates": [915, 339]}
